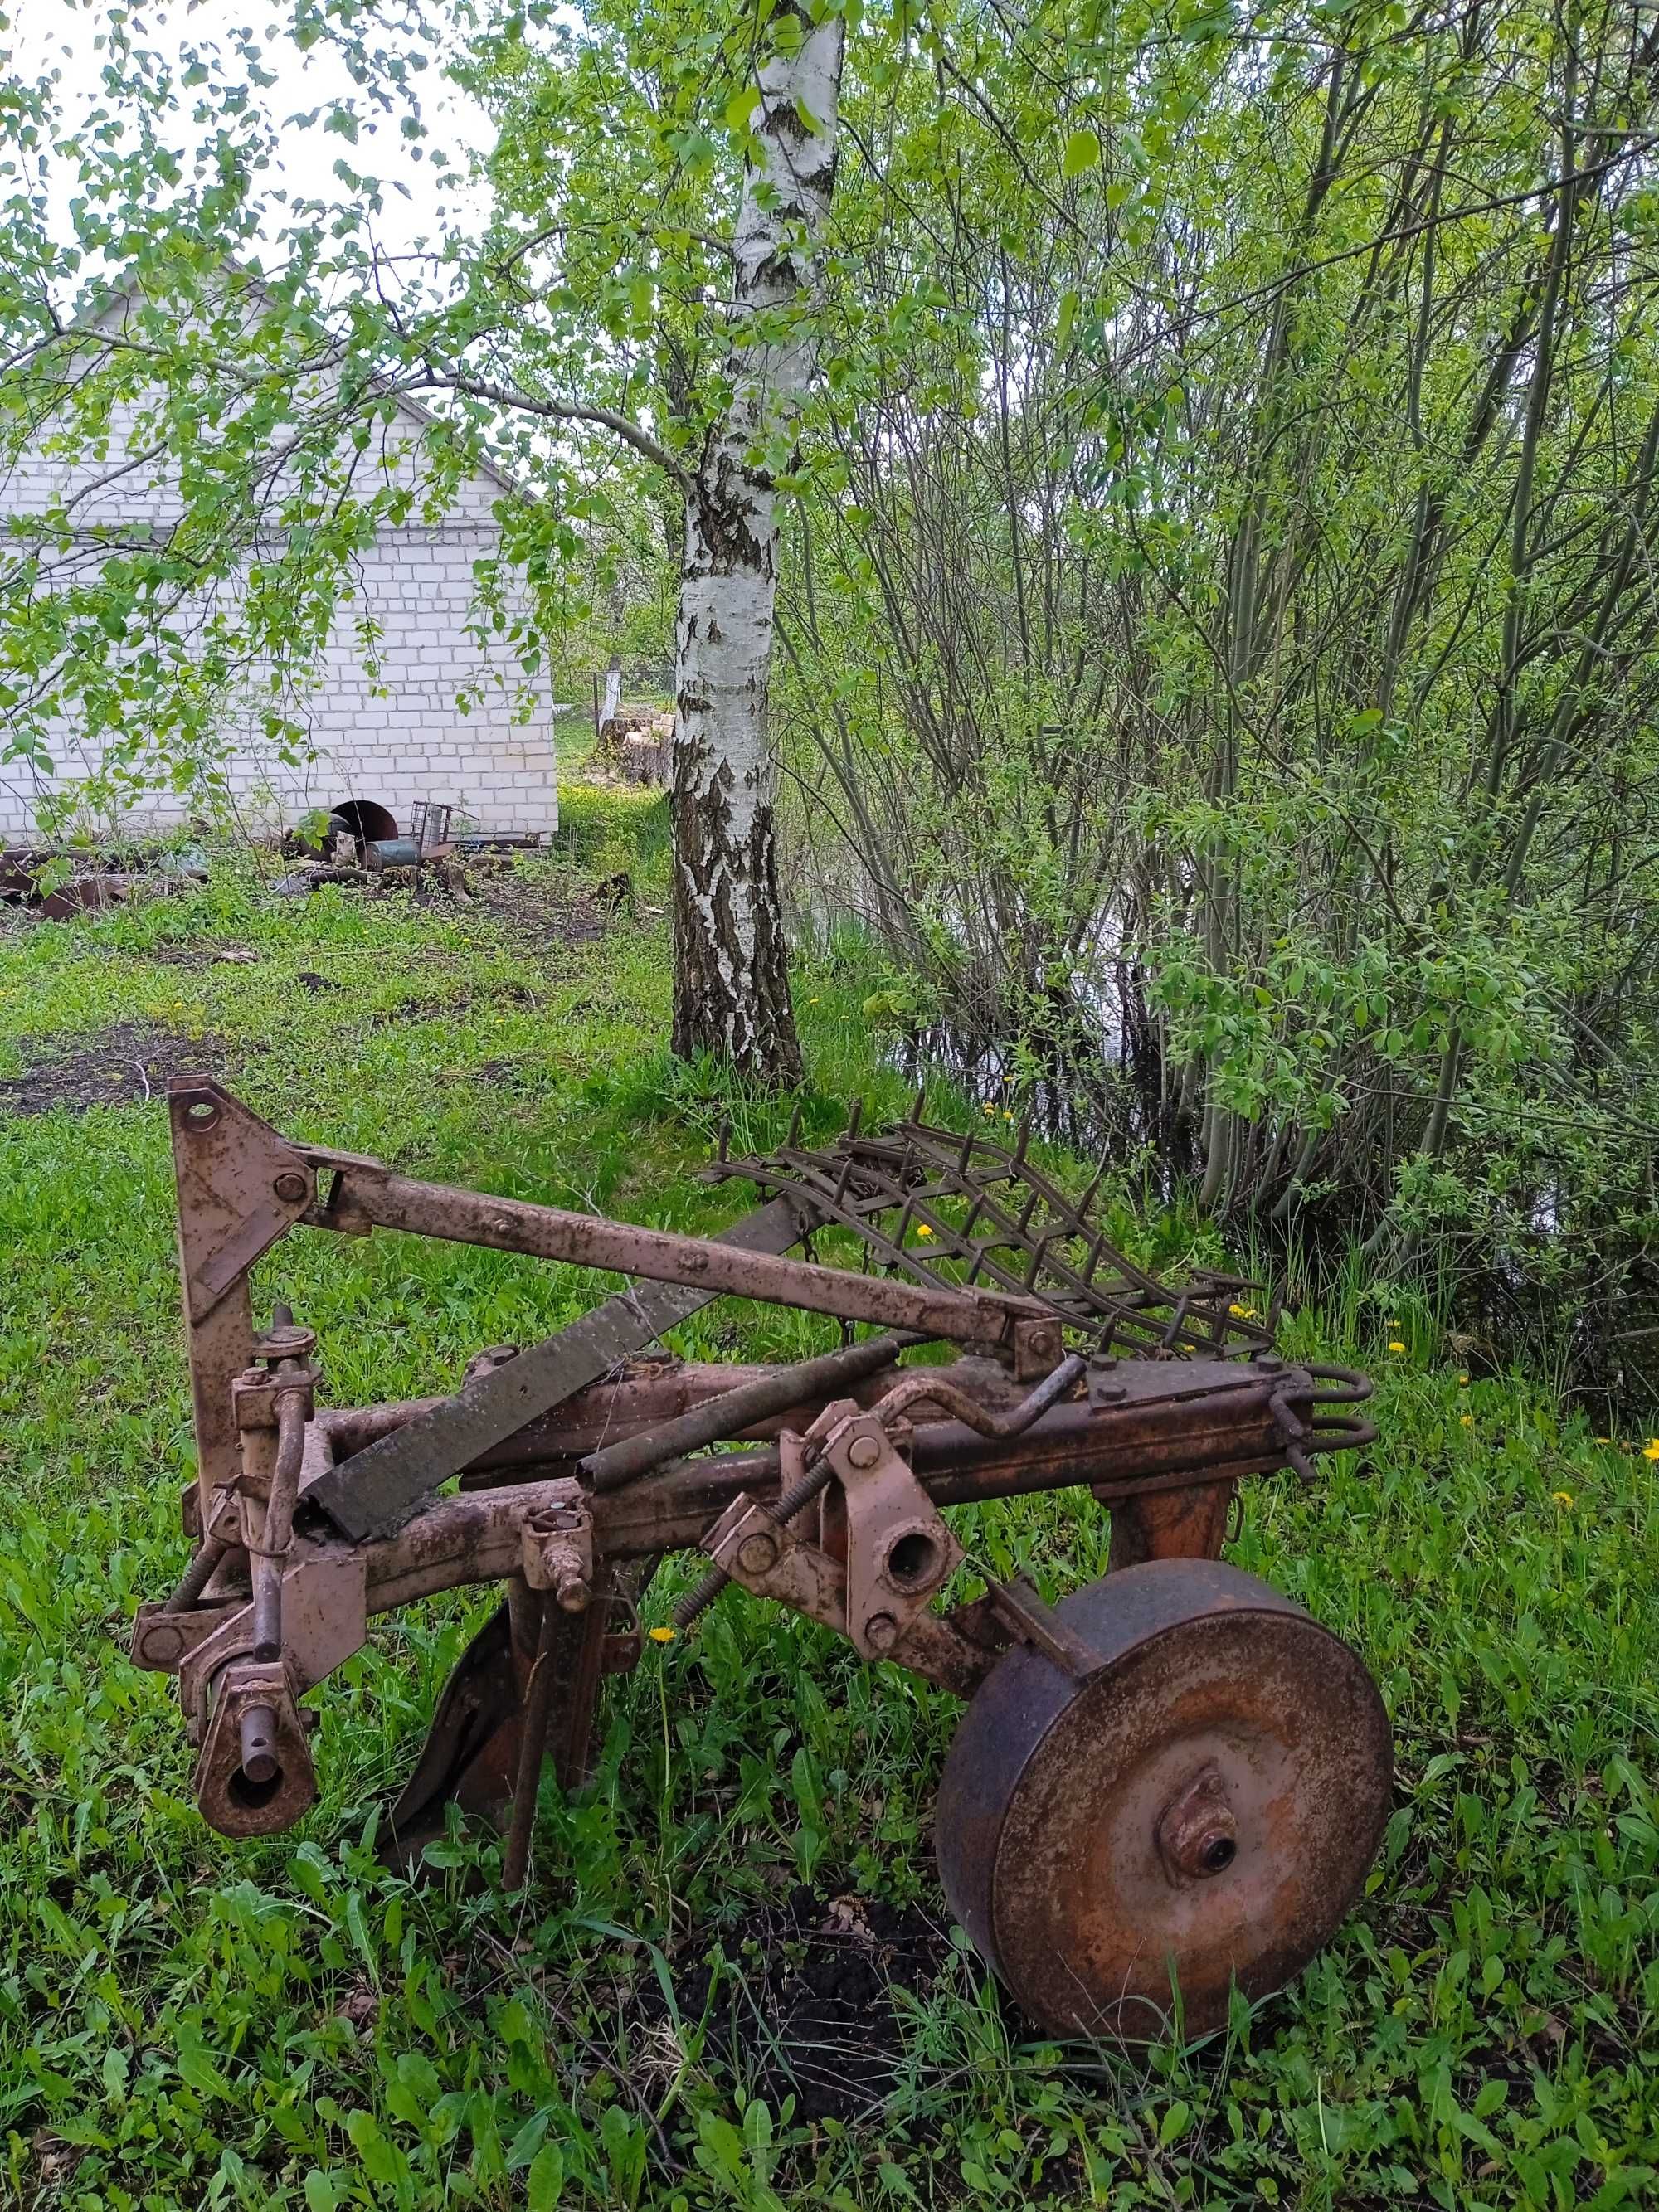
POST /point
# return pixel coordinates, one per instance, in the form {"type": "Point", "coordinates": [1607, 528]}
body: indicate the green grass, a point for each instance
{"type": "Point", "coordinates": [186, 2021]}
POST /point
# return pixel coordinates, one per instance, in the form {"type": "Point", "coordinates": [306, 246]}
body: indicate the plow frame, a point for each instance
{"type": "Point", "coordinates": [581, 1461]}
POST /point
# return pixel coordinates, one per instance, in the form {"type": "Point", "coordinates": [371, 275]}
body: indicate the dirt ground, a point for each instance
{"type": "Point", "coordinates": [125, 1066]}
{"type": "Point", "coordinates": [810, 2008]}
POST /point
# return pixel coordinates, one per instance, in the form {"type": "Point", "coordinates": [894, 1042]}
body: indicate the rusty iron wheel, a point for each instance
{"type": "Point", "coordinates": [1202, 1811]}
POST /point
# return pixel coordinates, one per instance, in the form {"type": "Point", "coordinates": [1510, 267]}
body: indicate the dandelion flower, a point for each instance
{"type": "Point", "coordinates": [662, 1635]}
{"type": "Point", "coordinates": [1462, 1378]}
{"type": "Point", "coordinates": [922, 1229]}
{"type": "Point", "coordinates": [1467, 1419]}
{"type": "Point", "coordinates": [1603, 1440]}
{"type": "Point", "coordinates": [987, 1108]}
{"type": "Point", "coordinates": [811, 1002]}
{"type": "Point", "coordinates": [1651, 1449]}
{"type": "Point", "coordinates": [1008, 1117]}
{"type": "Point", "coordinates": [1394, 1345]}
{"type": "Point", "coordinates": [1242, 1313]}
{"type": "Point", "coordinates": [1562, 1497]}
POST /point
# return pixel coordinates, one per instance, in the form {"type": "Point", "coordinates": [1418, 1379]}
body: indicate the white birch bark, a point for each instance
{"type": "Point", "coordinates": [730, 973]}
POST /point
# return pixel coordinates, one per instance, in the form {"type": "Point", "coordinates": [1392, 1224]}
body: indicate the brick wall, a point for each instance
{"type": "Point", "coordinates": [401, 740]}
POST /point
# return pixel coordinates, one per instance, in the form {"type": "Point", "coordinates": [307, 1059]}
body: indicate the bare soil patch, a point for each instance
{"type": "Point", "coordinates": [126, 1066]}
{"type": "Point", "coordinates": [807, 2005]}
{"type": "Point", "coordinates": [534, 911]}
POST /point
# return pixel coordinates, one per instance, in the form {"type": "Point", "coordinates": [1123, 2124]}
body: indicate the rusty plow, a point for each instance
{"type": "Point", "coordinates": [1166, 1784]}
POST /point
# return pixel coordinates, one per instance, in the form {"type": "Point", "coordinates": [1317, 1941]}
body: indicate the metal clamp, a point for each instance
{"type": "Point", "coordinates": [899, 1552]}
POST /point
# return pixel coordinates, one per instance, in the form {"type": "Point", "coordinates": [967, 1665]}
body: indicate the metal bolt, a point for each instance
{"type": "Point", "coordinates": [757, 1553]}
{"type": "Point", "coordinates": [1198, 1835]}
{"type": "Point", "coordinates": [881, 1632]}
{"type": "Point", "coordinates": [290, 1185]}
{"type": "Point", "coordinates": [573, 1593]}
{"type": "Point", "coordinates": [864, 1450]}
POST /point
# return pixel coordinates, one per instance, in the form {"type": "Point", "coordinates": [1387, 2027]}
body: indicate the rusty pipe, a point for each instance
{"type": "Point", "coordinates": [376, 1197]}
{"type": "Point", "coordinates": [603, 1414]}
{"type": "Point", "coordinates": [734, 1411]}
{"type": "Point", "coordinates": [928, 1386]}
{"type": "Point", "coordinates": [277, 1533]}
{"type": "Point", "coordinates": [258, 1729]}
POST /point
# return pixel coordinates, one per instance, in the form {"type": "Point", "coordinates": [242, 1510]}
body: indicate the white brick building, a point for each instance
{"type": "Point", "coordinates": [379, 744]}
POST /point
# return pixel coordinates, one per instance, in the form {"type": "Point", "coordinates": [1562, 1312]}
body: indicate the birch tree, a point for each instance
{"type": "Point", "coordinates": [732, 991]}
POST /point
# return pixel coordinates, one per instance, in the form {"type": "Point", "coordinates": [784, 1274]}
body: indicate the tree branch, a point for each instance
{"type": "Point", "coordinates": [557, 411]}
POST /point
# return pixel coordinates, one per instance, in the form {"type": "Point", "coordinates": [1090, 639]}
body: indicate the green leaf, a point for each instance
{"type": "Point", "coordinates": [1175, 2122]}
{"type": "Point", "coordinates": [1082, 154]}
{"type": "Point", "coordinates": [197, 2071]}
{"type": "Point", "coordinates": [741, 106]}
{"type": "Point", "coordinates": [380, 2161]}
{"type": "Point", "coordinates": [544, 2183]}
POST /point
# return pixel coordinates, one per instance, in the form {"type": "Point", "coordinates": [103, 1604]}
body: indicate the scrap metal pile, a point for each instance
{"type": "Point", "coordinates": [1173, 1780]}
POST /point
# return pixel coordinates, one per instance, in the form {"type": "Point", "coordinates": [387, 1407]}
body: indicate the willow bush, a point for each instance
{"type": "Point", "coordinates": [1220, 661]}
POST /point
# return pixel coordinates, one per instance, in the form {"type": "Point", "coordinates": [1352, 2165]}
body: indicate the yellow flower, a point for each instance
{"type": "Point", "coordinates": [1008, 1117]}
{"type": "Point", "coordinates": [1462, 1378]}
{"type": "Point", "coordinates": [1467, 1419]}
{"type": "Point", "coordinates": [1242, 1313]}
{"type": "Point", "coordinates": [662, 1635]}
{"type": "Point", "coordinates": [922, 1229]}
{"type": "Point", "coordinates": [987, 1108]}
{"type": "Point", "coordinates": [1562, 1497]}
{"type": "Point", "coordinates": [1394, 1345]}
{"type": "Point", "coordinates": [1603, 1440]}
{"type": "Point", "coordinates": [1651, 1449]}
{"type": "Point", "coordinates": [811, 1002]}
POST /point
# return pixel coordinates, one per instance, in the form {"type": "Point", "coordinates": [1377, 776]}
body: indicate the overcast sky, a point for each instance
{"type": "Point", "coordinates": [57, 35]}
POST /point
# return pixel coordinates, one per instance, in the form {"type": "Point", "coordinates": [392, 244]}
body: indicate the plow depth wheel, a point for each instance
{"type": "Point", "coordinates": [1201, 1811]}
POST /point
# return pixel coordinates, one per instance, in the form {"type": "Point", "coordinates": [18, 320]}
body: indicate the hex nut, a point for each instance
{"type": "Point", "coordinates": [881, 1632]}
{"type": "Point", "coordinates": [291, 1186]}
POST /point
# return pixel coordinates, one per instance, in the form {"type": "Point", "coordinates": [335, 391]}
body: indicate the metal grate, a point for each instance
{"type": "Point", "coordinates": [948, 1208]}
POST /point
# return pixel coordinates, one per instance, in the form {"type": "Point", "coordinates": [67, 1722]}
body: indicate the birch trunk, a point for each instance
{"type": "Point", "coordinates": [731, 968]}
